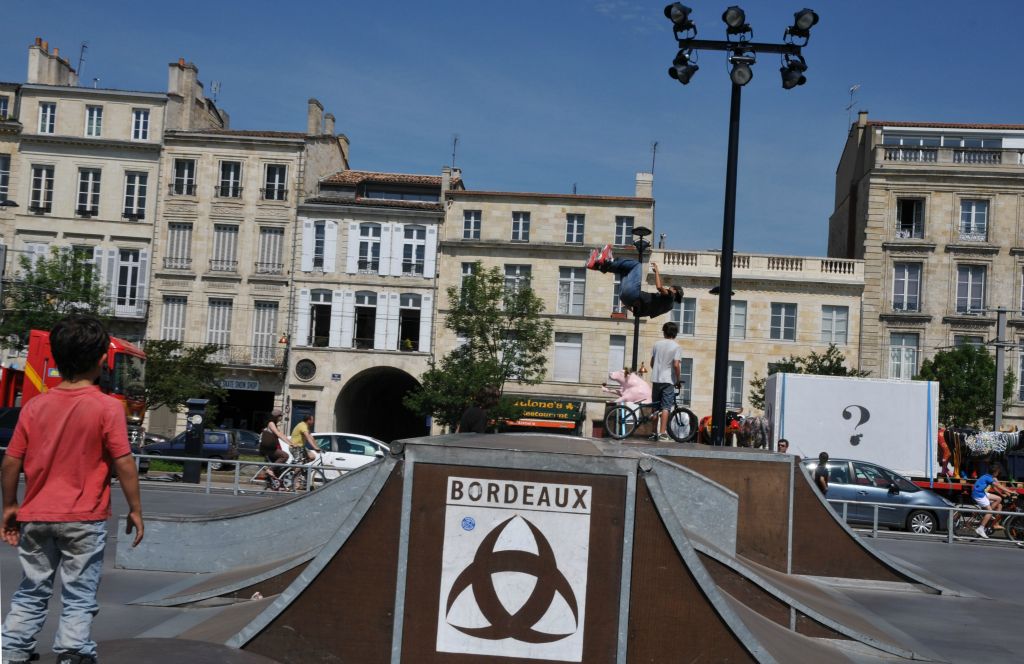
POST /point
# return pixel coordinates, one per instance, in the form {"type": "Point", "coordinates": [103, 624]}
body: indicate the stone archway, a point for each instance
{"type": "Point", "coordinates": [371, 404]}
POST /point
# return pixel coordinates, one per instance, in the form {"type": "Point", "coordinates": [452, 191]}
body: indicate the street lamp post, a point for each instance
{"type": "Point", "coordinates": [642, 245]}
{"type": "Point", "coordinates": [742, 53]}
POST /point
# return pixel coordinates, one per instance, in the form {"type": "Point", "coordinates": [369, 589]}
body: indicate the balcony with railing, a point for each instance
{"type": "Point", "coordinates": [182, 189]}
{"type": "Point", "coordinates": [126, 307]}
{"type": "Point", "coordinates": [269, 268]}
{"type": "Point", "coordinates": [274, 193]}
{"type": "Point", "coordinates": [177, 263]}
{"type": "Point", "coordinates": [952, 156]}
{"type": "Point", "coordinates": [761, 266]}
{"type": "Point", "coordinates": [228, 191]}
{"type": "Point", "coordinates": [245, 355]}
{"type": "Point", "coordinates": [220, 265]}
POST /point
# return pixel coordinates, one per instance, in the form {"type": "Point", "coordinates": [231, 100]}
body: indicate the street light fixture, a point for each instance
{"type": "Point", "coordinates": [742, 53]}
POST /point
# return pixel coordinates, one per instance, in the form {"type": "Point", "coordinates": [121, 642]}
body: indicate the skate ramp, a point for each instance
{"type": "Point", "coordinates": [262, 535]}
{"type": "Point", "coordinates": [784, 523]}
{"type": "Point", "coordinates": [637, 570]}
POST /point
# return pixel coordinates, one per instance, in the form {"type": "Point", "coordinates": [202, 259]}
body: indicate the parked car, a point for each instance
{"type": "Point", "coordinates": [218, 444]}
{"type": "Point", "coordinates": [248, 441]}
{"type": "Point", "coordinates": [348, 451]}
{"type": "Point", "coordinates": [906, 505]}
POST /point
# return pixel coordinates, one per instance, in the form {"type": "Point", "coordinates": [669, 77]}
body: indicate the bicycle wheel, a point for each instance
{"type": "Point", "coordinates": [965, 522]}
{"type": "Point", "coordinates": [620, 422]}
{"type": "Point", "coordinates": [682, 425]}
{"type": "Point", "coordinates": [1014, 526]}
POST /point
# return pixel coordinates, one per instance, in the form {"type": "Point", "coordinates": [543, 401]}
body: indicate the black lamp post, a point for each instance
{"type": "Point", "coordinates": [742, 53]}
{"type": "Point", "coordinates": [642, 246]}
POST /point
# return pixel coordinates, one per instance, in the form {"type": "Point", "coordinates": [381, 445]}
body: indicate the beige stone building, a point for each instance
{"type": "Point", "coordinates": [782, 306]}
{"type": "Point", "coordinates": [224, 266]}
{"type": "Point", "coordinates": [547, 237]}
{"type": "Point", "coordinates": [936, 211]}
{"type": "Point", "coordinates": [87, 162]}
{"type": "Point", "coordinates": [366, 267]}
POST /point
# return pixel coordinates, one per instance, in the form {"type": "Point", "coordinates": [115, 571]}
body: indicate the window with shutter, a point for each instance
{"type": "Point", "coordinates": [409, 312]}
{"type": "Point", "coordinates": [225, 248]}
{"type": "Point", "coordinates": [172, 320]}
{"type": "Point", "coordinates": [270, 248]}
{"type": "Point", "coordinates": [179, 246]}
{"type": "Point", "coordinates": [366, 319]}
{"type": "Point", "coordinates": [88, 192]}
{"type": "Point", "coordinates": [568, 352]}
{"type": "Point", "coordinates": [218, 328]}
{"type": "Point", "coordinates": [264, 333]}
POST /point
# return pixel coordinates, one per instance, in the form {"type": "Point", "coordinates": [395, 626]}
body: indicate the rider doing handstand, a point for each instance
{"type": "Point", "coordinates": [639, 302]}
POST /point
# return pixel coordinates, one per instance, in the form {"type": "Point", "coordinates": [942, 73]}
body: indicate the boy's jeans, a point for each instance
{"type": "Point", "coordinates": [77, 547]}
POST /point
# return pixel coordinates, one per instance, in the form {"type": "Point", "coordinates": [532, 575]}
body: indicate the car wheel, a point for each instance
{"type": "Point", "coordinates": [921, 522]}
{"type": "Point", "coordinates": [218, 466]}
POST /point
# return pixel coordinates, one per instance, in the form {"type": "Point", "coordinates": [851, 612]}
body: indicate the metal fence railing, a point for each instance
{"type": "Point", "coordinates": [952, 533]}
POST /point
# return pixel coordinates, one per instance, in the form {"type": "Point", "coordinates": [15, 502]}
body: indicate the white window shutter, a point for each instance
{"type": "Point", "coordinates": [306, 264]}
{"type": "Point", "coordinates": [426, 314]}
{"type": "Point", "coordinates": [392, 336]}
{"type": "Point", "coordinates": [302, 319]}
{"type": "Point", "coordinates": [99, 267]}
{"type": "Point", "coordinates": [330, 245]}
{"type": "Point", "coordinates": [430, 254]}
{"type": "Point", "coordinates": [385, 249]}
{"type": "Point", "coordinates": [397, 237]}
{"type": "Point", "coordinates": [337, 307]}
{"type": "Point", "coordinates": [380, 326]}
{"type": "Point", "coordinates": [143, 281]}
{"type": "Point", "coordinates": [110, 278]}
{"type": "Point", "coordinates": [3, 258]}
{"type": "Point", "coordinates": [352, 253]}
{"type": "Point", "coordinates": [348, 318]}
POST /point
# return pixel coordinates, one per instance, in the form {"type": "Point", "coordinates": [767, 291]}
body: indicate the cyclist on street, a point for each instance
{"type": "Point", "coordinates": [987, 494]}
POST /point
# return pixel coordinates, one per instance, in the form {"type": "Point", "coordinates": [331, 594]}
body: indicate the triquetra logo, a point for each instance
{"type": "Point", "coordinates": [519, 624]}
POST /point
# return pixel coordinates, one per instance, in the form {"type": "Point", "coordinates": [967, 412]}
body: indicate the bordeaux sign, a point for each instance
{"type": "Point", "coordinates": [514, 569]}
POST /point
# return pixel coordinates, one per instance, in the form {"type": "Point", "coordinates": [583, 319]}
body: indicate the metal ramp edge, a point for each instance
{"type": "Point", "coordinates": [327, 552]}
{"type": "Point", "coordinates": [703, 579]}
{"type": "Point", "coordinates": [176, 543]}
{"type": "Point", "coordinates": [788, 590]}
{"type": "Point", "coordinates": [207, 586]}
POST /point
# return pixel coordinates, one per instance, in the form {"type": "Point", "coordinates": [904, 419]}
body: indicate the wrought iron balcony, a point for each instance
{"type": "Point", "coordinates": [217, 265]}
{"type": "Point", "coordinates": [177, 263]}
{"type": "Point", "coordinates": [228, 191]}
{"type": "Point", "coordinates": [269, 268]}
{"type": "Point", "coordinates": [182, 189]}
{"type": "Point", "coordinates": [274, 193]}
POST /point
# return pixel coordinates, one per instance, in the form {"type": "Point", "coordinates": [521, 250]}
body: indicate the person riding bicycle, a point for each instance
{"type": "Point", "coordinates": [640, 302]}
{"type": "Point", "coordinates": [270, 447]}
{"type": "Point", "coordinates": [987, 494]}
{"type": "Point", "coordinates": [304, 448]}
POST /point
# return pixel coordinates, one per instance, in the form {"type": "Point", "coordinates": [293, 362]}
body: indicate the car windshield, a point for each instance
{"type": "Point", "coordinates": [129, 375]}
{"type": "Point", "coordinates": [869, 475]}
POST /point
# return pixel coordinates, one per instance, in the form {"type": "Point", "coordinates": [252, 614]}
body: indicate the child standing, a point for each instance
{"type": "Point", "coordinates": [66, 441]}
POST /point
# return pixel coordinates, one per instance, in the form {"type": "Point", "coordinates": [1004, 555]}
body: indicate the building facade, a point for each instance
{"type": "Point", "coordinates": [782, 306]}
{"type": "Point", "coordinates": [936, 211]}
{"type": "Point", "coordinates": [547, 238]}
{"type": "Point", "coordinates": [365, 291]}
{"type": "Point", "coordinates": [223, 267]}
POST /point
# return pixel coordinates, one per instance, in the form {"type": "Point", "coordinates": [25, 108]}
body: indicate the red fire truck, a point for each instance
{"type": "Point", "coordinates": [123, 377]}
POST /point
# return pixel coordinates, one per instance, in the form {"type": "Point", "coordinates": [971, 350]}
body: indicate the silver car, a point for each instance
{"type": "Point", "coordinates": [904, 504]}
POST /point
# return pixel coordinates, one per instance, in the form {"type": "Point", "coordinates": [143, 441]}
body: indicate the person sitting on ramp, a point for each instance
{"type": "Point", "coordinates": [636, 300]}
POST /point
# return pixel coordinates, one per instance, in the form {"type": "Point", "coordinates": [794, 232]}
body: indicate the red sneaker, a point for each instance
{"type": "Point", "coordinates": [606, 254]}
{"type": "Point", "coordinates": [592, 261]}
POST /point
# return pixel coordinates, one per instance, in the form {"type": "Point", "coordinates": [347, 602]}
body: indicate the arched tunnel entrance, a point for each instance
{"type": "Point", "coordinates": [371, 404]}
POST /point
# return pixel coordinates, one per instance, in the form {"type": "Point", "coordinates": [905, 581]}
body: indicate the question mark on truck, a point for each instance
{"type": "Point", "coordinates": [865, 415]}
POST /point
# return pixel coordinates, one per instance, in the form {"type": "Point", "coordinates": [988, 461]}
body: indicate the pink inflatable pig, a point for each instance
{"type": "Point", "coordinates": [632, 388]}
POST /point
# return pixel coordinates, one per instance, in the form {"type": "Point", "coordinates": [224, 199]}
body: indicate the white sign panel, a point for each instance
{"type": "Point", "coordinates": [889, 422]}
{"type": "Point", "coordinates": [514, 569]}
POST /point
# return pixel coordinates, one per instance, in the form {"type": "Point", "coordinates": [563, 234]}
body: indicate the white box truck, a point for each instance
{"type": "Point", "coordinates": [893, 423]}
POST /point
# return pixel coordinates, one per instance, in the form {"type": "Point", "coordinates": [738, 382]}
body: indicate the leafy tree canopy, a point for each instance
{"type": "Point", "coordinates": [176, 372]}
{"type": "Point", "coordinates": [45, 291]}
{"type": "Point", "coordinates": [503, 339]}
{"type": "Point", "coordinates": [967, 385]}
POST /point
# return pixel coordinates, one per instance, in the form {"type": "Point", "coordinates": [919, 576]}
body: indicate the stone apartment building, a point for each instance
{"type": "Point", "coordinates": [224, 268]}
{"type": "Point", "coordinates": [782, 306]}
{"type": "Point", "coordinates": [936, 211]}
{"type": "Point", "coordinates": [81, 165]}
{"type": "Point", "coordinates": [366, 264]}
{"type": "Point", "coordinates": [547, 238]}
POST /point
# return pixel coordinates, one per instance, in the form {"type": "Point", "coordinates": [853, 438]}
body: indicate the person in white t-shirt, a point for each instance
{"type": "Point", "coordinates": [666, 360]}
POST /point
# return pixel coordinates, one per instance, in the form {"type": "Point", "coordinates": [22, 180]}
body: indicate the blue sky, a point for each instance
{"type": "Point", "coordinates": [545, 95]}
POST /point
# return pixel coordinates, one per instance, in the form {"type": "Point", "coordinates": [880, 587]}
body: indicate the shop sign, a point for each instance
{"type": "Point", "coordinates": [239, 384]}
{"type": "Point", "coordinates": [546, 408]}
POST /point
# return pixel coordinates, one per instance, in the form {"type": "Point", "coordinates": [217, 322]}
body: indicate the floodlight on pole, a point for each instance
{"type": "Point", "coordinates": [792, 72]}
{"type": "Point", "coordinates": [679, 14]}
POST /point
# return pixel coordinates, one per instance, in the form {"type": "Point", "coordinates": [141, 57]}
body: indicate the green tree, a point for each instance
{"type": "Point", "coordinates": [505, 340]}
{"type": "Point", "coordinates": [967, 385]}
{"type": "Point", "coordinates": [46, 290]}
{"type": "Point", "coordinates": [176, 372]}
{"type": "Point", "coordinates": [830, 363]}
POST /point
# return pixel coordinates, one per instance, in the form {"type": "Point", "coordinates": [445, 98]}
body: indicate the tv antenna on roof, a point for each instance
{"type": "Point", "coordinates": [215, 89]}
{"type": "Point", "coordinates": [455, 147]}
{"type": "Point", "coordinates": [654, 155]}
{"type": "Point", "coordinates": [81, 58]}
{"type": "Point", "coordinates": [849, 108]}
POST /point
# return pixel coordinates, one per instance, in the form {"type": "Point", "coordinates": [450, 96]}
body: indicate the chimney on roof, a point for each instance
{"type": "Point", "coordinates": [314, 117]}
{"type": "Point", "coordinates": [644, 185]}
{"type": "Point", "coordinates": [48, 68]}
{"type": "Point", "coordinates": [329, 124]}
{"type": "Point", "coordinates": [862, 118]}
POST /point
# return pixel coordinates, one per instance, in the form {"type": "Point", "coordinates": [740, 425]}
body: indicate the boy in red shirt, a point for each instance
{"type": "Point", "coordinates": [67, 440]}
